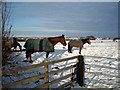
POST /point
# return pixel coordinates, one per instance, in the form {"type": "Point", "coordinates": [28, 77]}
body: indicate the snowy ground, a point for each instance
{"type": "Point", "coordinates": [100, 48]}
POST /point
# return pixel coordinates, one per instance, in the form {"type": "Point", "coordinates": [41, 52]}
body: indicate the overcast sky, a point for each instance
{"type": "Point", "coordinates": [69, 18]}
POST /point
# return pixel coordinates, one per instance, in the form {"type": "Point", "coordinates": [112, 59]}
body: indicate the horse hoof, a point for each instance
{"type": "Point", "coordinates": [25, 61]}
{"type": "Point", "coordinates": [31, 61]}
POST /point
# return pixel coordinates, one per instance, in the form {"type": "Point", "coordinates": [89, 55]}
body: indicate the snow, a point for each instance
{"type": "Point", "coordinates": [98, 48]}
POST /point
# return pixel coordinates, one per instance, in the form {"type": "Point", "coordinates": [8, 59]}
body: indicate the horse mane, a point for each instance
{"type": "Point", "coordinates": [56, 37]}
{"type": "Point", "coordinates": [84, 40]}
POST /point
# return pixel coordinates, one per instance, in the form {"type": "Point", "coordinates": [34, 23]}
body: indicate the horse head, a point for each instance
{"type": "Point", "coordinates": [62, 40]}
{"type": "Point", "coordinates": [88, 41]}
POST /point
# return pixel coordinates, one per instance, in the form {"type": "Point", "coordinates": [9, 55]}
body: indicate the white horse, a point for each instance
{"type": "Point", "coordinates": [7, 44]}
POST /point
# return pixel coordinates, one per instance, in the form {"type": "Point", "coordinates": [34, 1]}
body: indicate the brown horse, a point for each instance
{"type": "Point", "coordinates": [77, 43]}
{"type": "Point", "coordinates": [42, 46]}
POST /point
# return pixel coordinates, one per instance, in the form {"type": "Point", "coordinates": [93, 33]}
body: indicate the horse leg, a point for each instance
{"type": "Point", "coordinates": [80, 51]}
{"type": "Point", "coordinates": [8, 49]}
{"type": "Point", "coordinates": [28, 56]}
{"type": "Point", "coordinates": [47, 54]}
{"type": "Point", "coordinates": [15, 46]}
{"type": "Point", "coordinates": [30, 59]}
{"type": "Point", "coordinates": [20, 47]}
{"type": "Point", "coordinates": [69, 48]}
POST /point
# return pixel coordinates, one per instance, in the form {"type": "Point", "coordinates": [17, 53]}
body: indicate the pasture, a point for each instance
{"type": "Point", "coordinates": [101, 65]}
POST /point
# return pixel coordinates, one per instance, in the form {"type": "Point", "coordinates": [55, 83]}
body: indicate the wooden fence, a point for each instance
{"type": "Point", "coordinates": [99, 73]}
{"type": "Point", "coordinates": [45, 75]}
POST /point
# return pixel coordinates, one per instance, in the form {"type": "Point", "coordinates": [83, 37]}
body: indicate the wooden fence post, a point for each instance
{"type": "Point", "coordinates": [46, 78]}
{"type": "Point", "coordinates": [80, 68]}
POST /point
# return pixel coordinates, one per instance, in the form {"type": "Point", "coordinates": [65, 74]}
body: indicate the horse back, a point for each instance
{"type": "Point", "coordinates": [32, 44]}
{"type": "Point", "coordinates": [76, 43]}
{"type": "Point", "coordinates": [39, 45]}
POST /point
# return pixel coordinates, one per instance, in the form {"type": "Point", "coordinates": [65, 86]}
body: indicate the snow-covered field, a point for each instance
{"type": "Point", "coordinates": [102, 77]}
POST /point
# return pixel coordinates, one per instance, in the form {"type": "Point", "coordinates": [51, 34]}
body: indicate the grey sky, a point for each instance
{"type": "Point", "coordinates": [70, 18]}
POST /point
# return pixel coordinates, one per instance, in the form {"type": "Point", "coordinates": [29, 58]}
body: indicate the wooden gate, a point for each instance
{"type": "Point", "coordinates": [45, 75]}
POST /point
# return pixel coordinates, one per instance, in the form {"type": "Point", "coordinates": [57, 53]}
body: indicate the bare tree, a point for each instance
{"type": "Point", "coordinates": [5, 10]}
{"type": "Point", "coordinates": [5, 26]}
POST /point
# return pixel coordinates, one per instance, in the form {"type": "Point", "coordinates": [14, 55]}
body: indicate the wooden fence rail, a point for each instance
{"type": "Point", "coordinates": [51, 62]}
{"type": "Point", "coordinates": [102, 57]}
{"type": "Point", "coordinates": [102, 66]}
{"type": "Point", "coordinates": [103, 74]}
{"type": "Point", "coordinates": [45, 75]}
{"type": "Point", "coordinates": [37, 65]}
